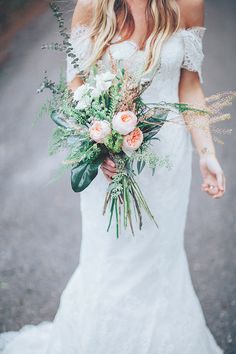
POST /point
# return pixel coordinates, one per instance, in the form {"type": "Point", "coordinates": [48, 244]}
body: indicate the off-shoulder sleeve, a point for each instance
{"type": "Point", "coordinates": [193, 52]}
{"type": "Point", "coordinates": [82, 47]}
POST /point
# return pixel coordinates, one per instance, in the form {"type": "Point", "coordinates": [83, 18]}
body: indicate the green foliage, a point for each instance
{"type": "Point", "coordinates": [141, 107]}
{"type": "Point", "coordinates": [146, 156]}
{"type": "Point", "coordinates": [66, 45]}
{"type": "Point", "coordinates": [59, 120]}
{"type": "Point", "coordinates": [83, 174]}
{"type": "Point", "coordinates": [152, 125]}
{"type": "Point", "coordinates": [125, 193]}
{"type": "Point", "coordinates": [94, 152]}
{"type": "Point", "coordinates": [44, 111]}
{"type": "Point", "coordinates": [85, 150]}
{"type": "Point", "coordinates": [114, 99]}
{"type": "Point", "coordinates": [58, 140]}
{"type": "Point", "coordinates": [114, 142]}
{"type": "Point", "coordinates": [98, 108]}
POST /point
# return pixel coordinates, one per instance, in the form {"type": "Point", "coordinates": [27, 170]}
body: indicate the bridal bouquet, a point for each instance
{"type": "Point", "coordinates": [107, 118]}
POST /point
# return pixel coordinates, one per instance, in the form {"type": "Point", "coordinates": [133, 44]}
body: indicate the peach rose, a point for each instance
{"type": "Point", "coordinates": [124, 122]}
{"type": "Point", "coordinates": [99, 130]}
{"type": "Point", "coordinates": [132, 141]}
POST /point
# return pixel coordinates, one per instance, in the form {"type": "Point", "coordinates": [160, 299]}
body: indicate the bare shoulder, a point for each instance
{"type": "Point", "coordinates": [83, 13]}
{"type": "Point", "coordinates": [192, 12]}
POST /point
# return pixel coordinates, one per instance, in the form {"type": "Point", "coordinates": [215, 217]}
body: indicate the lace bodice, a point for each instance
{"type": "Point", "coordinates": [182, 50]}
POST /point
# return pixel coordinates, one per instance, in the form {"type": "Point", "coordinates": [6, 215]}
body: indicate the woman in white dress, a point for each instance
{"type": "Point", "coordinates": [134, 295]}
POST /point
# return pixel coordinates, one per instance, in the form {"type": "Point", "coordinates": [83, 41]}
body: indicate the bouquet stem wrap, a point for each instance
{"type": "Point", "coordinates": [123, 196]}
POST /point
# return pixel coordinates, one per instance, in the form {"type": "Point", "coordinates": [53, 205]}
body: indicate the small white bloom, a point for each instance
{"type": "Point", "coordinates": [82, 96]}
{"type": "Point", "coordinates": [81, 91]}
{"type": "Point", "coordinates": [95, 92]}
{"type": "Point", "coordinates": [99, 130]}
{"type": "Point", "coordinates": [84, 103]}
{"type": "Point", "coordinates": [104, 81]}
{"type": "Point", "coordinates": [124, 122]}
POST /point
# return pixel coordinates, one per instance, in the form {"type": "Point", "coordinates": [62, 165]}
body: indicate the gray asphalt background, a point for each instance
{"type": "Point", "coordinates": [40, 223]}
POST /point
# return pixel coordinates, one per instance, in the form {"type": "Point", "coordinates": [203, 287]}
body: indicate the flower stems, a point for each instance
{"type": "Point", "coordinates": [125, 197]}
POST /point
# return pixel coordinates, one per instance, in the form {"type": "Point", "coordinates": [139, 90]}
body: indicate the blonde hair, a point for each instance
{"type": "Point", "coordinates": [113, 17]}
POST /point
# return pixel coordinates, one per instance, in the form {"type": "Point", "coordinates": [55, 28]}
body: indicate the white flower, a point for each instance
{"type": "Point", "coordinates": [104, 81]}
{"type": "Point", "coordinates": [95, 92]}
{"type": "Point", "coordinates": [99, 130]}
{"type": "Point", "coordinates": [82, 96]}
{"type": "Point", "coordinates": [81, 91]}
{"type": "Point", "coordinates": [124, 122]}
{"type": "Point", "coordinates": [132, 141]}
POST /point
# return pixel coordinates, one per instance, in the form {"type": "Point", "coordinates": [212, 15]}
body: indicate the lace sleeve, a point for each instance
{"type": "Point", "coordinates": [82, 47]}
{"type": "Point", "coordinates": [193, 53]}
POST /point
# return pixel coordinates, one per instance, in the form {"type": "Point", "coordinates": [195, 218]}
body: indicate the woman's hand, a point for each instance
{"type": "Point", "coordinates": [213, 176]}
{"type": "Point", "coordinates": [108, 168]}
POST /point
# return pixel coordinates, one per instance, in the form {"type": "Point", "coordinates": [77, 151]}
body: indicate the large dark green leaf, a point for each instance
{"type": "Point", "coordinates": [153, 123]}
{"type": "Point", "coordinates": [140, 166]}
{"type": "Point", "coordinates": [59, 120]}
{"type": "Point", "coordinates": [83, 174]}
{"type": "Point", "coordinates": [151, 135]}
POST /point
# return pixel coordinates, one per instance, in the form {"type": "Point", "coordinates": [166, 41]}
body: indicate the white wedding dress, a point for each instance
{"type": "Point", "coordinates": [133, 295]}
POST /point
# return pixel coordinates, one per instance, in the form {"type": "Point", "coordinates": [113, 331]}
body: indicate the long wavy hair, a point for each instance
{"type": "Point", "coordinates": [113, 17]}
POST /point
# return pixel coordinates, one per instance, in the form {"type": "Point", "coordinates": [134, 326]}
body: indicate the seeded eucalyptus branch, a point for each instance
{"type": "Point", "coordinates": [66, 45]}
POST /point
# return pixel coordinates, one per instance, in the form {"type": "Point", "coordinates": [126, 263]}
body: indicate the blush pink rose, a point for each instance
{"type": "Point", "coordinates": [124, 122]}
{"type": "Point", "coordinates": [99, 130]}
{"type": "Point", "coordinates": [132, 141]}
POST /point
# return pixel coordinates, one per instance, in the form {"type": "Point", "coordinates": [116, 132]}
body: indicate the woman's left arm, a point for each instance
{"type": "Point", "coordinates": [213, 177]}
{"type": "Point", "coordinates": [190, 91]}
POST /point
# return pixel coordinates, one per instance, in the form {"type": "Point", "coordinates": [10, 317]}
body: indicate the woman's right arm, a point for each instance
{"type": "Point", "coordinates": [82, 17]}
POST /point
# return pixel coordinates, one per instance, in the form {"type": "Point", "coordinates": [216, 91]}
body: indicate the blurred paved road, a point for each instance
{"type": "Point", "coordinates": [40, 223]}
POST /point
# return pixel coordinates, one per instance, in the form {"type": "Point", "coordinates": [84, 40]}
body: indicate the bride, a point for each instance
{"type": "Point", "coordinates": [134, 295]}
